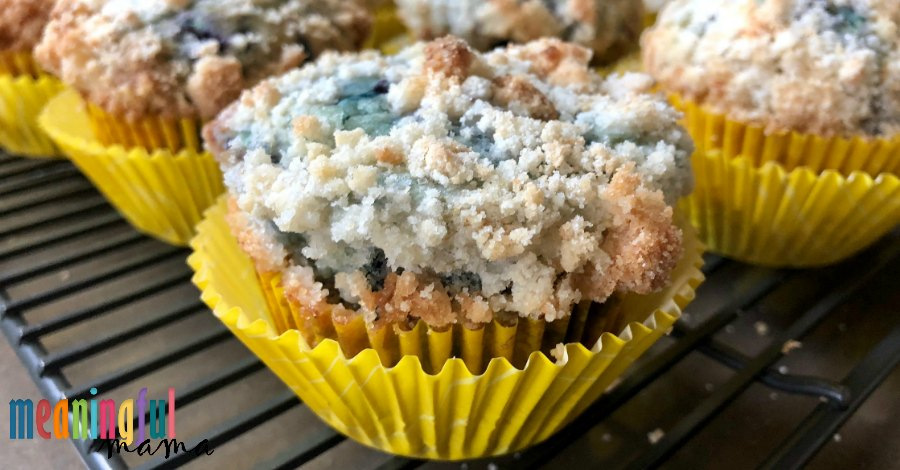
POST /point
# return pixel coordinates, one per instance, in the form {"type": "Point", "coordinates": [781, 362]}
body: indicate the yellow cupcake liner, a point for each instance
{"type": "Point", "coordinates": [715, 132]}
{"type": "Point", "coordinates": [21, 100]}
{"type": "Point", "coordinates": [386, 27]}
{"type": "Point", "coordinates": [151, 133]}
{"type": "Point", "coordinates": [160, 192]}
{"type": "Point", "coordinates": [24, 90]}
{"type": "Point", "coordinates": [514, 340]}
{"type": "Point", "coordinates": [774, 217]}
{"type": "Point", "coordinates": [452, 414]}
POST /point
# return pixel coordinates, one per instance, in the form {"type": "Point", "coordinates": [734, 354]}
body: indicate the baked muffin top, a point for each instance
{"type": "Point", "coordinates": [515, 181]}
{"type": "Point", "coordinates": [608, 27]}
{"type": "Point", "coordinates": [188, 58]}
{"type": "Point", "coordinates": [22, 22]}
{"type": "Point", "coordinates": [826, 67]}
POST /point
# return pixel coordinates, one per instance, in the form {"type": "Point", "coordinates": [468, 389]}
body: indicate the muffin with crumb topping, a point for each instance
{"type": "Point", "coordinates": [21, 25]}
{"type": "Point", "coordinates": [609, 28]}
{"type": "Point", "coordinates": [24, 87]}
{"type": "Point", "coordinates": [823, 68]}
{"type": "Point", "coordinates": [454, 188]}
{"type": "Point", "coordinates": [795, 109]}
{"type": "Point", "coordinates": [170, 61]}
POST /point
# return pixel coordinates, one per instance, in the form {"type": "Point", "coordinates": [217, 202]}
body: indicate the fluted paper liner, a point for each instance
{"type": "Point", "coordinates": [771, 216]}
{"type": "Point", "coordinates": [151, 133]}
{"type": "Point", "coordinates": [160, 192]}
{"type": "Point", "coordinates": [404, 410]}
{"type": "Point", "coordinates": [513, 340]}
{"type": "Point", "coordinates": [715, 132]}
{"type": "Point", "coordinates": [24, 91]}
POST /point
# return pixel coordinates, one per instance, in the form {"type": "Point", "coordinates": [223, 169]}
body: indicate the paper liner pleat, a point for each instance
{"type": "Point", "coordinates": [404, 409]}
{"type": "Point", "coordinates": [771, 216]}
{"type": "Point", "coordinates": [733, 139]}
{"type": "Point", "coordinates": [475, 346]}
{"type": "Point", "coordinates": [161, 193]}
{"type": "Point", "coordinates": [22, 98]}
{"type": "Point", "coordinates": [150, 133]}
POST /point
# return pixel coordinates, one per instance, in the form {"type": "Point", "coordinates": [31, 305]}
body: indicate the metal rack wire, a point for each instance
{"type": "Point", "coordinates": [70, 267]}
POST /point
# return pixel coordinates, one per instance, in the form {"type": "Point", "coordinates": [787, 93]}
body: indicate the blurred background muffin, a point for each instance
{"type": "Point", "coordinates": [21, 25]}
{"type": "Point", "coordinates": [185, 60]}
{"type": "Point", "coordinates": [609, 28]}
{"type": "Point", "coordinates": [148, 74]}
{"type": "Point", "coordinates": [24, 87]}
{"type": "Point", "coordinates": [824, 67]}
{"type": "Point", "coordinates": [795, 109]}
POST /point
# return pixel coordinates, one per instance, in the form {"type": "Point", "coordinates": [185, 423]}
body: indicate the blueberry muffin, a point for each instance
{"type": "Point", "coordinates": [454, 187]}
{"type": "Point", "coordinates": [821, 67]}
{"type": "Point", "coordinates": [187, 59]}
{"type": "Point", "coordinates": [21, 25]}
{"type": "Point", "coordinates": [609, 28]}
{"type": "Point", "coordinates": [24, 87]}
{"type": "Point", "coordinates": [794, 106]}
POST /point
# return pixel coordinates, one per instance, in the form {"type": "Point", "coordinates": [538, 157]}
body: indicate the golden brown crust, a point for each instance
{"type": "Point", "coordinates": [518, 95]}
{"type": "Point", "coordinates": [22, 23]}
{"type": "Point", "coordinates": [558, 62]}
{"type": "Point", "coordinates": [645, 242]}
{"type": "Point", "coordinates": [449, 56]}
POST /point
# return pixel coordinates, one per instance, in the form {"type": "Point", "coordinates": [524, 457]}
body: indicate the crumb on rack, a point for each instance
{"type": "Point", "coordinates": [655, 436]}
{"type": "Point", "coordinates": [791, 345]}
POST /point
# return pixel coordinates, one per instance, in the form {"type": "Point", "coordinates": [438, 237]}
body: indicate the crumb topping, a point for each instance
{"type": "Point", "coordinates": [827, 67]}
{"type": "Point", "coordinates": [22, 22]}
{"type": "Point", "coordinates": [450, 185]}
{"type": "Point", "coordinates": [609, 27]}
{"type": "Point", "coordinates": [189, 58]}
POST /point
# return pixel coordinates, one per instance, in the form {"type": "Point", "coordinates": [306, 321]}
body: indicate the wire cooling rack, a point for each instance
{"type": "Point", "coordinates": [768, 368]}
